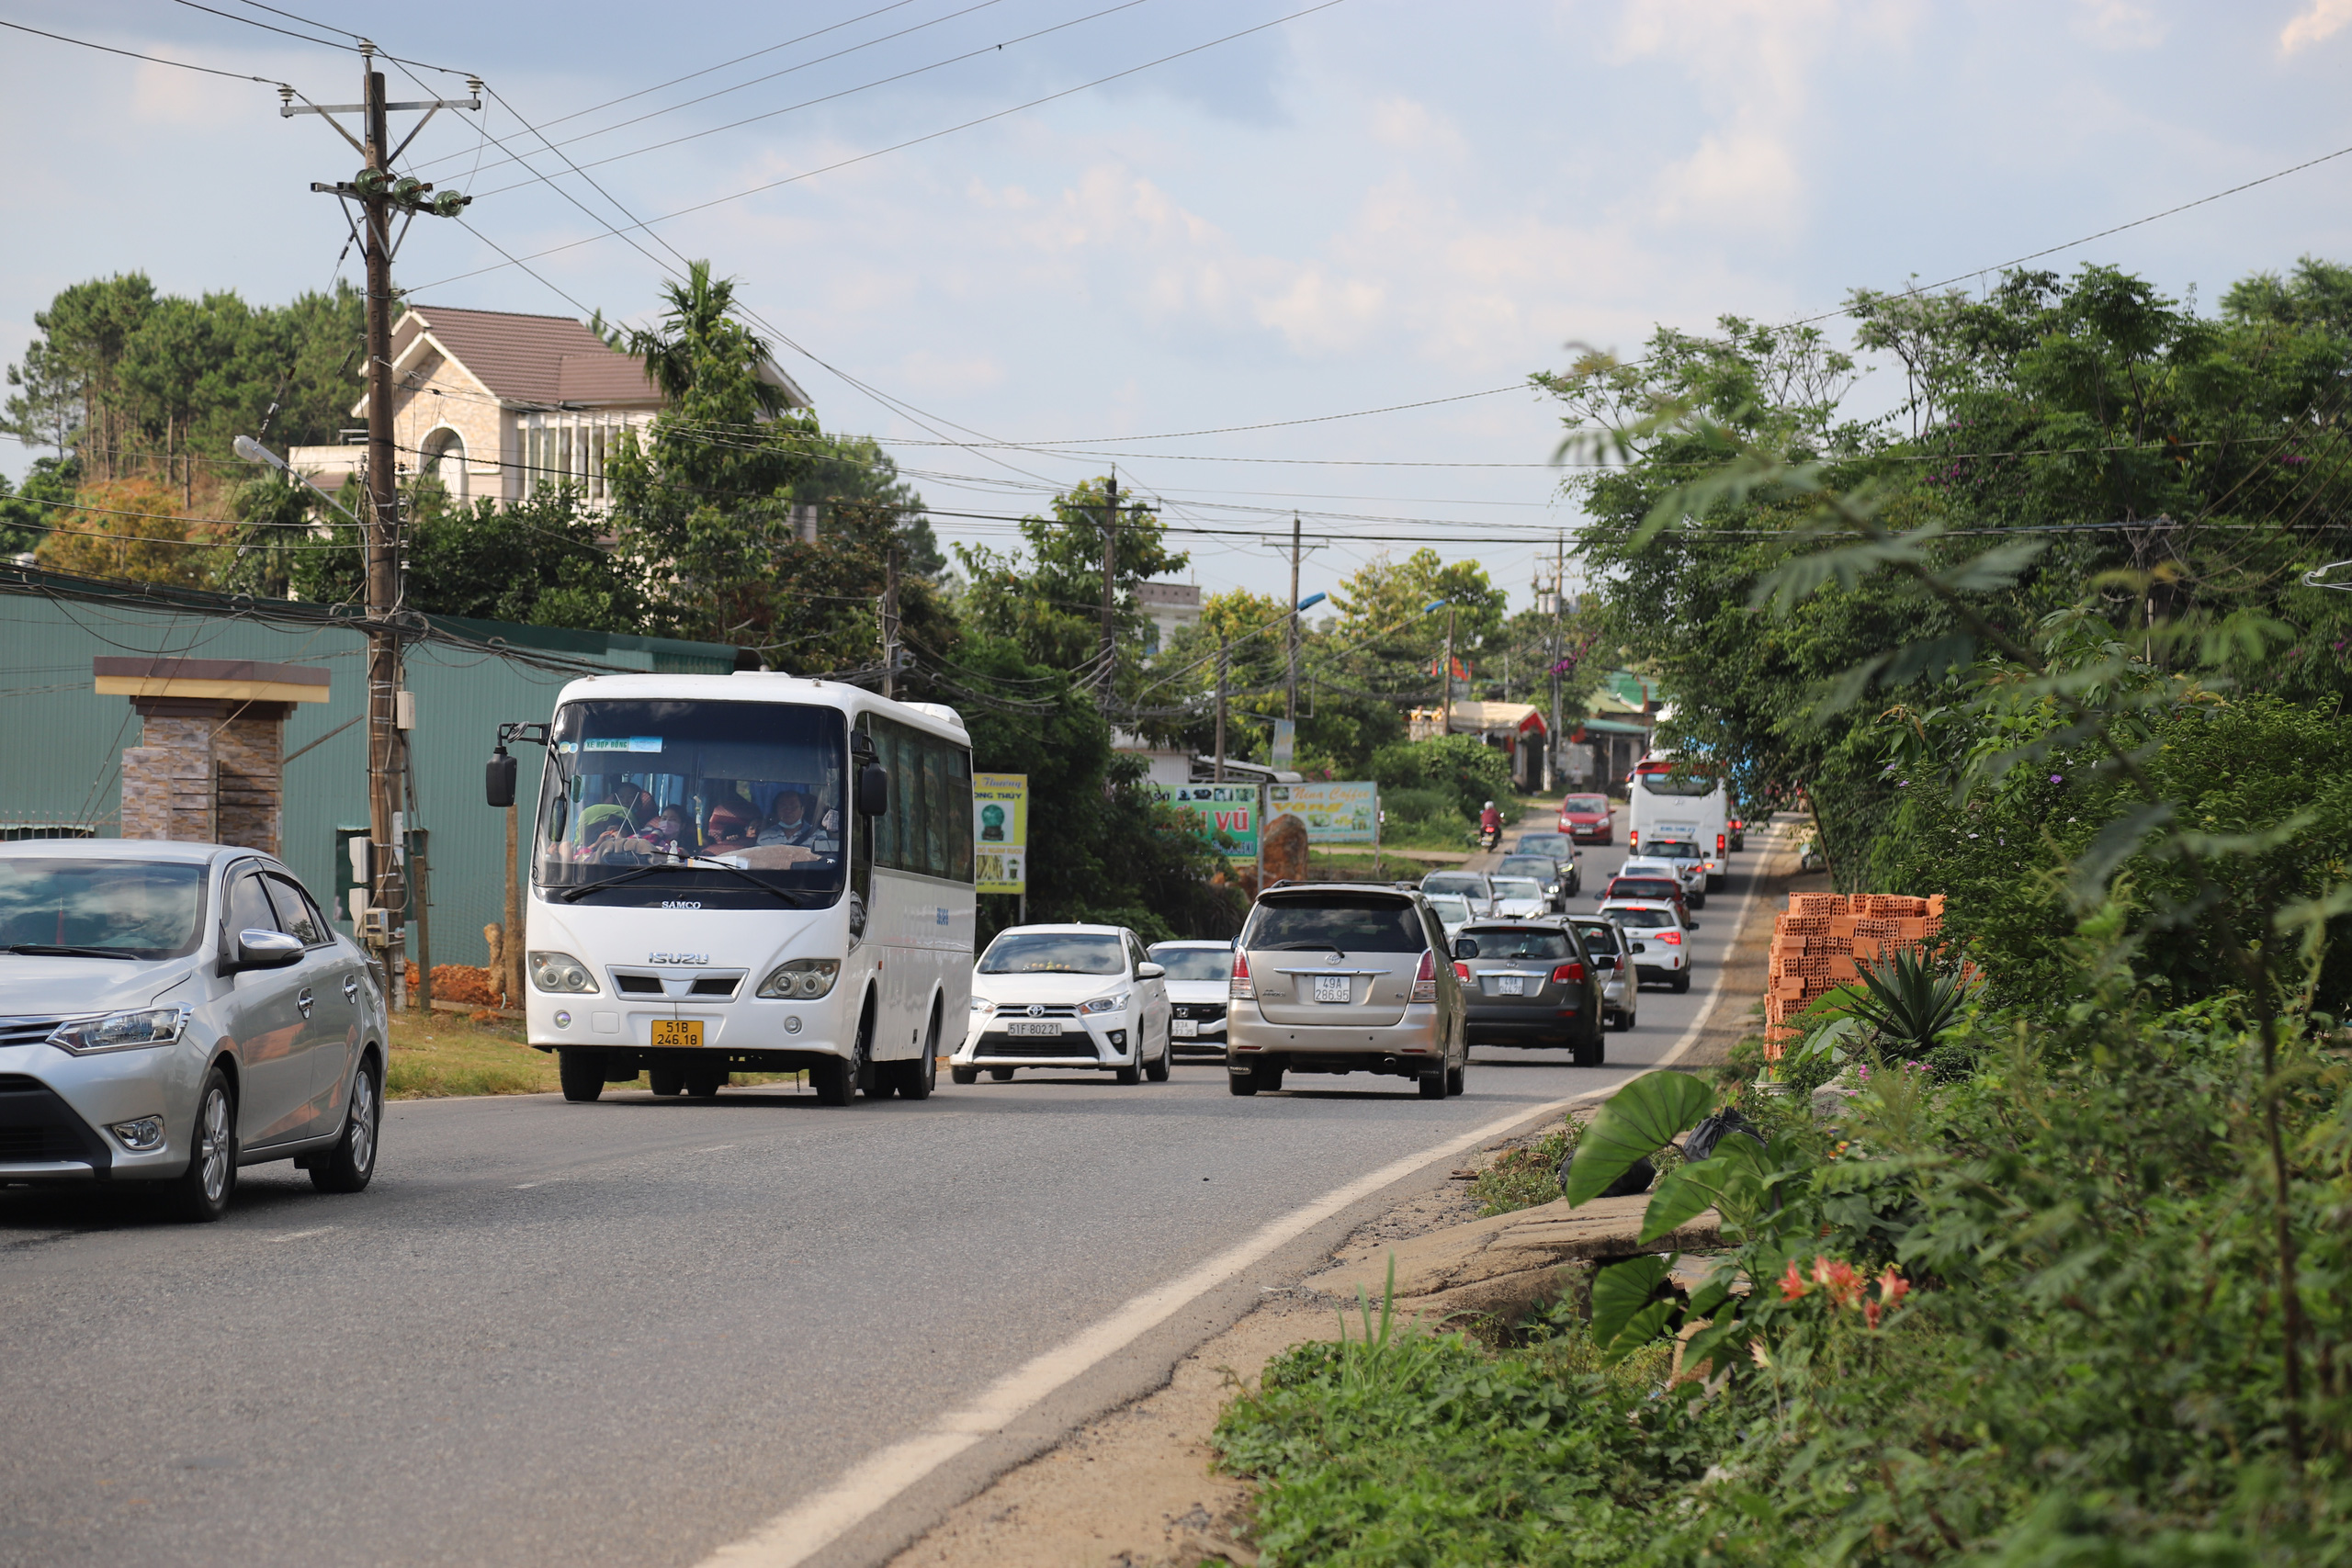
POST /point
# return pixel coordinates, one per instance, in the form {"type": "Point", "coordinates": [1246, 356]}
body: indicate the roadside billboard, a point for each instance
{"type": "Point", "coordinates": [1226, 815]}
{"type": "Point", "coordinates": [1334, 813]}
{"type": "Point", "coordinates": [1000, 832]}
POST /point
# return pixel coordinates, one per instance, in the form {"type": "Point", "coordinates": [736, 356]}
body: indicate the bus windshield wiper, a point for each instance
{"type": "Point", "coordinates": [44, 949]}
{"type": "Point", "coordinates": [573, 895]}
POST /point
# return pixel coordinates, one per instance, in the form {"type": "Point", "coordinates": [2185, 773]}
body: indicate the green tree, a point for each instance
{"type": "Point", "coordinates": [1049, 600]}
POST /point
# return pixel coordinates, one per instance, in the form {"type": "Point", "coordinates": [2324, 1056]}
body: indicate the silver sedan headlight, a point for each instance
{"type": "Point", "coordinates": [1114, 1003]}
{"type": "Point", "coordinates": [131, 1031]}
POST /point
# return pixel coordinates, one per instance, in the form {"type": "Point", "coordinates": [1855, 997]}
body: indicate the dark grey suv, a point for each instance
{"type": "Point", "coordinates": [1344, 977]}
{"type": "Point", "coordinates": [1531, 983]}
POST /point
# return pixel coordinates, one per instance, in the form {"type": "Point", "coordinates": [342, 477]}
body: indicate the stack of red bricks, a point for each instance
{"type": "Point", "coordinates": [1824, 939]}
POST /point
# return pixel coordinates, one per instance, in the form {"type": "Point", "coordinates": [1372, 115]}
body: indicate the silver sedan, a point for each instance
{"type": "Point", "coordinates": [170, 1013]}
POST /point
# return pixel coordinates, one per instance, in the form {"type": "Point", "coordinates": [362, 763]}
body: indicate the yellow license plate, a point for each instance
{"type": "Point", "coordinates": [685, 1031]}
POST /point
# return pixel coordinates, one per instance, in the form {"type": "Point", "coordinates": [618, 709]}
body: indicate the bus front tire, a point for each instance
{"type": "Point", "coordinates": [666, 1079]}
{"type": "Point", "coordinates": [918, 1076]}
{"type": "Point", "coordinates": [705, 1079]}
{"type": "Point", "coordinates": [581, 1073]}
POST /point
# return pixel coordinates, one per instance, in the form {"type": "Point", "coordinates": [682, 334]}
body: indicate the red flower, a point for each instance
{"type": "Point", "coordinates": [1893, 1287]}
{"type": "Point", "coordinates": [1791, 1284]}
{"type": "Point", "coordinates": [1838, 1277]}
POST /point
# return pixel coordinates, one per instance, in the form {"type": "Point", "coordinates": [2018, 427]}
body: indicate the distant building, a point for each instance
{"type": "Point", "coordinates": [1516, 728]}
{"type": "Point", "coordinates": [1167, 607]}
{"type": "Point", "coordinates": [494, 404]}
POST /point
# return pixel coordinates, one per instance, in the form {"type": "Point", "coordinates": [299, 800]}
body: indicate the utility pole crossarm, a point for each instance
{"type": "Point", "coordinates": [380, 194]}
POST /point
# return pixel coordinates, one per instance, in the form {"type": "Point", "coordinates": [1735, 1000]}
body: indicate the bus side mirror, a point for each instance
{"type": "Point", "coordinates": [498, 781]}
{"type": "Point", "coordinates": [873, 790]}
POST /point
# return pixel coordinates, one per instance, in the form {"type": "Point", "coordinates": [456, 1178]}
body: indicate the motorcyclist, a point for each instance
{"type": "Point", "coordinates": [1490, 825]}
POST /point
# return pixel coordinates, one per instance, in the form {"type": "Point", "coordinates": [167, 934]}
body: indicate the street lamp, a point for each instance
{"type": "Point", "coordinates": [254, 452]}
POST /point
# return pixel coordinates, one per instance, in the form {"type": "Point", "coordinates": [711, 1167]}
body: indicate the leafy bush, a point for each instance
{"type": "Point", "coordinates": [1464, 767]}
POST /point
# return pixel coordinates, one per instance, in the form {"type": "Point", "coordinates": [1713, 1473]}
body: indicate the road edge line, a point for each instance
{"type": "Point", "coordinates": [810, 1526]}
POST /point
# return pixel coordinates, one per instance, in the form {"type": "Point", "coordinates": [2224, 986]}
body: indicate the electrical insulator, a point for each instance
{"type": "Point", "coordinates": [449, 204]}
{"type": "Point", "coordinates": [370, 182]}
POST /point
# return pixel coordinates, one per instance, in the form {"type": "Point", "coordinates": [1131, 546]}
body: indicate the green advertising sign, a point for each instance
{"type": "Point", "coordinates": [1226, 815]}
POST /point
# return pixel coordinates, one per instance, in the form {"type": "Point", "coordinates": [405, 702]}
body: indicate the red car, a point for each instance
{"type": "Point", "coordinates": [1588, 819]}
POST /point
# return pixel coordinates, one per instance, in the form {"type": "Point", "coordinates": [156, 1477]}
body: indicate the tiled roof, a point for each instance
{"type": "Point", "coordinates": [529, 359]}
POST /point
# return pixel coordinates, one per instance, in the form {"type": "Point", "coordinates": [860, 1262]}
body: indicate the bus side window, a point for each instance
{"type": "Point", "coordinates": [938, 808]}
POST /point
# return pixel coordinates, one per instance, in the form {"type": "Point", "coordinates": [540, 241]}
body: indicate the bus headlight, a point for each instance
{"type": "Point", "coordinates": [560, 972]}
{"type": "Point", "coordinates": [800, 979]}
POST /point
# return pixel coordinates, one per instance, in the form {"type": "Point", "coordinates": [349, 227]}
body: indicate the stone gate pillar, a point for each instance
{"type": "Point", "coordinates": [209, 765]}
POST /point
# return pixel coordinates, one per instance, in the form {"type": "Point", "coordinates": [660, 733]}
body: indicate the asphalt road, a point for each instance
{"type": "Point", "coordinates": [632, 1332]}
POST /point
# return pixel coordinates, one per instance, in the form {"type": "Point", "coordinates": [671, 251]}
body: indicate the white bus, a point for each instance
{"type": "Point", "coordinates": [1691, 805]}
{"type": "Point", "coordinates": [747, 873]}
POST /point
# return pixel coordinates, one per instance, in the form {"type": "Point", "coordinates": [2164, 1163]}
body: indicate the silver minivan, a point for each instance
{"type": "Point", "coordinates": [171, 1012]}
{"type": "Point", "coordinates": [1344, 977]}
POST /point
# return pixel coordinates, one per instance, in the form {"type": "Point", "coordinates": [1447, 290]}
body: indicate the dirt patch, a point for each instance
{"type": "Point", "coordinates": [1134, 1489]}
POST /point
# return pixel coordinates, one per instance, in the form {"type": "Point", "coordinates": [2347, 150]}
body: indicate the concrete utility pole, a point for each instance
{"type": "Point", "coordinates": [1559, 652]}
{"type": "Point", "coordinates": [1290, 705]}
{"type": "Point", "coordinates": [1222, 647]}
{"type": "Point", "coordinates": [1445, 681]}
{"type": "Point", "coordinates": [1109, 575]}
{"type": "Point", "coordinates": [380, 195]}
{"type": "Point", "coordinates": [890, 624]}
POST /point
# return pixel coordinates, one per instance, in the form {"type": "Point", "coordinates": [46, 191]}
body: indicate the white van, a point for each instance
{"type": "Point", "coordinates": [1693, 805]}
{"type": "Point", "coordinates": [747, 873]}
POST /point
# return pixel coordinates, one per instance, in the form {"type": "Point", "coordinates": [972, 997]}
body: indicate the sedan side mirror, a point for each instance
{"type": "Point", "coordinates": [873, 790]}
{"type": "Point", "coordinates": [1150, 972]}
{"type": "Point", "coordinates": [266, 950]}
{"type": "Point", "coordinates": [498, 781]}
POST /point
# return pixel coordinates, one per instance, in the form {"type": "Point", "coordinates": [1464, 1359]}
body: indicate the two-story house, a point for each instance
{"type": "Point", "coordinates": [493, 404]}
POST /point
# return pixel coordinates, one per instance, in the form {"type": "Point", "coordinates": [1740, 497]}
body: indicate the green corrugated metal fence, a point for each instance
{"type": "Point", "coordinates": [62, 744]}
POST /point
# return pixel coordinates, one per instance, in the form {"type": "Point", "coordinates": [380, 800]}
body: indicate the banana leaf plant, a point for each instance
{"type": "Point", "coordinates": [1749, 1185]}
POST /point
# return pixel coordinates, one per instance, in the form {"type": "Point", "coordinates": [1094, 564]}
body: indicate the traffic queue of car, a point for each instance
{"type": "Point", "coordinates": [174, 1012]}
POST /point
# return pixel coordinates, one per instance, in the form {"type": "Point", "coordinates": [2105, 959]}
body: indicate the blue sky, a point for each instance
{"type": "Point", "coordinates": [1375, 203]}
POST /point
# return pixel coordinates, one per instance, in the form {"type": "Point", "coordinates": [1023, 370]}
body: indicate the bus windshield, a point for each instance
{"type": "Point", "coordinates": [1659, 778]}
{"type": "Point", "coordinates": [730, 798]}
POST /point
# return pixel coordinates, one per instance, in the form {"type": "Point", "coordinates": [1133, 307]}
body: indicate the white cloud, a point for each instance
{"type": "Point", "coordinates": [2119, 24]}
{"type": "Point", "coordinates": [2322, 21]}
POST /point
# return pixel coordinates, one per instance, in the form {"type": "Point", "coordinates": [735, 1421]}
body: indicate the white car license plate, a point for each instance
{"type": "Point", "coordinates": [1185, 1028]}
{"type": "Point", "coordinates": [1510, 985]}
{"type": "Point", "coordinates": [1032, 1026]}
{"type": "Point", "coordinates": [1331, 988]}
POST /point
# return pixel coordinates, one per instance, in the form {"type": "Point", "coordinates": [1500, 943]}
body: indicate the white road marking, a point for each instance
{"type": "Point", "coordinates": [1707, 1003]}
{"type": "Point", "coordinates": [713, 1148]}
{"type": "Point", "coordinates": [526, 1186]}
{"type": "Point", "coordinates": [297, 1235]}
{"type": "Point", "coordinates": [800, 1532]}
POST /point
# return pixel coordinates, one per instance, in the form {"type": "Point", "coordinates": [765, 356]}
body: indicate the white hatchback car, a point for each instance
{"type": "Point", "coordinates": [1084, 998]}
{"type": "Point", "coordinates": [1661, 942]}
{"type": "Point", "coordinates": [1520, 899]}
{"type": "Point", "coordinates": [171, 1012]}
{"type": "Point", "coordinates": [1199, 978]}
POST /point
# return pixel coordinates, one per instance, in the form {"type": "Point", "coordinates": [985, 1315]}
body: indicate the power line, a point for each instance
{"type": "Point", "coordinates": [828, 98]}
{"type": "Point", "coordinates": [265, 26]}
{"type": "Point", "coordinates": [738, 60]}
{"type": "Point", "coordinates": [916, 141]}
{"type": "Point", "coordinates": [150, 58]}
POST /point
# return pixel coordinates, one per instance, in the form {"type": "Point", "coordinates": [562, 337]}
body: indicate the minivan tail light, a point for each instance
{"type": "Point", "coordinates": [1461, 971]}
{"type": "Point", "coordinates": [1425, 981]}
{"type": "Point", "coordinates": [1570, 974]}
{"type": "Point", "coordinates": [1241, 988]}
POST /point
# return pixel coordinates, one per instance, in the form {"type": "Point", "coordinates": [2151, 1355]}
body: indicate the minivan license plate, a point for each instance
{"type": "Point", "coordinates": [1331, 988]}
{"type": "Point", "coordinates": [685, 1031]}
{"type": "Point", "coordinates": [1034, 1026]}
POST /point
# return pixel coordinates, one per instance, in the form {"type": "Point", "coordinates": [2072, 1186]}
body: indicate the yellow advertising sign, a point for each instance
{"type": "Point", "coordinates": [1000, 832]}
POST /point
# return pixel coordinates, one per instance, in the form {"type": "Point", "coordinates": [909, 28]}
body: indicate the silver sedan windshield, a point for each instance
{"type": "Point", "coordinates": [129, 908]}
